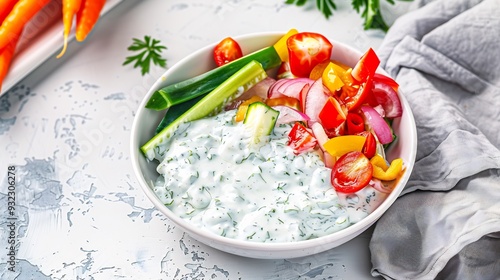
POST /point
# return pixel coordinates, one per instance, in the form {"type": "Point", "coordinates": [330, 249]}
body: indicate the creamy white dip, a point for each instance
{"type": "Point", "coordinates": [213, 177]}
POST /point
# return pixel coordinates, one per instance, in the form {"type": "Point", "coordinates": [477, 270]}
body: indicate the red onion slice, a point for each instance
{"type": "Point", "coordinates": [288, 115]}
{"type": "Point", "coordinates": [293, 87]}
{"type": "Point", "coordinates": [315, 100]}
{"type": "Point", "coordinates": [388, 98]}
{"type": "Point", "coordinates": [378, 124]}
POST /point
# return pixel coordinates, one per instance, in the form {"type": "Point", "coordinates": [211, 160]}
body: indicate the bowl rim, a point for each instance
{"type": "Point", "coordinates": [269, 247]}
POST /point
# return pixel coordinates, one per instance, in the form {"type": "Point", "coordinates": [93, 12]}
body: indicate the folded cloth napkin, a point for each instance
{"type": "Point", "coordinates": [446, 224]}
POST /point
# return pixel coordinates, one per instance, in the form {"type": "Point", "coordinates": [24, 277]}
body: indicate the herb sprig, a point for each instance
{"type": "Point", "coordinates": [149, 51]}
{"type": "Point", "coordinates": [368, 9]}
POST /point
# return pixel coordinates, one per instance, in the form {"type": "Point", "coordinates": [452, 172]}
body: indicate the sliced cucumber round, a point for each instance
{"type": "Point", "coordinates": [260, 120]}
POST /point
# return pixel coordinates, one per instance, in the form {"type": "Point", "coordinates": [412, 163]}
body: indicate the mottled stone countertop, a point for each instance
{"type": "Point", "coordinates": [65, 128]}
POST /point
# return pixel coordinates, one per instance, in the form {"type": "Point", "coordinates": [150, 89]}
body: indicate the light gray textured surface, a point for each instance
{"type": "Point", "coordinates": [66, 127]}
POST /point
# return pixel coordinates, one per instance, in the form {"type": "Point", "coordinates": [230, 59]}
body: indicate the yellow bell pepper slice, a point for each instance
{"type": "Point", "coordinates": [342, 65]}
{"type": "Point", "coordinates": [342, 71]}
{"type": "Point", "coordinates": [281, 47]}
{"type": "Point", "coordinates": [331, 77]}
{"type": "Point", "coordinates": [341, 145]}
{"type": "Point", "coordinates": [344, 74]}
{"type": "Point", "coordinates": [383, 172]}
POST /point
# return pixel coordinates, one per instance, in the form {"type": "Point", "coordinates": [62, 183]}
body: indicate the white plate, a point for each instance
{"type": "Point", "coordinates": [42, 39]}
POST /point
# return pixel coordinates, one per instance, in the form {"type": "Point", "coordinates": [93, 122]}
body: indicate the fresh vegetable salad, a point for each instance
{"type": "Point", "coordinates": [277, 158]}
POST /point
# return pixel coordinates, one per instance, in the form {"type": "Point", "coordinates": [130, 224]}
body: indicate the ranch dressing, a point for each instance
{"type": "Point", "coordinates": [213, 177]}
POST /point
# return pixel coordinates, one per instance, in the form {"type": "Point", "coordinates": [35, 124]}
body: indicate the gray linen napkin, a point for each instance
{"type": "Point", "coordinates": [446, 224]}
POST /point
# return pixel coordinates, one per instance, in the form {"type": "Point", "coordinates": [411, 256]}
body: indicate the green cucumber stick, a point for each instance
{"type": "Point", "coordinates": [214, 102]}
{"type": "Point", "coordinates": [270, 57]}
{"type": "Point", "coordinates": [206, 82]}
{"type": "Point", "coordinates": [176, 111]}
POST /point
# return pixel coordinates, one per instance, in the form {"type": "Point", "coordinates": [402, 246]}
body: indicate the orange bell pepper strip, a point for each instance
{"type": "Point", "coordinates": [384, 172]}
{"type": "Point", "coordinates": [243, 107]}
{"type": "Point", "coordinates": [317, 71]}
{"type": "Point", "coordinates": [284, 101]}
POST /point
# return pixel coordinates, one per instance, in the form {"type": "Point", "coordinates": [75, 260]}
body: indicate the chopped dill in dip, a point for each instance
{"type": "Point", "coordinates": [212, 176]}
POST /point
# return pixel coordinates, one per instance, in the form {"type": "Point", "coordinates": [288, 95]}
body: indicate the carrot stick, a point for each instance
{"type": "Point", "coordinates": [70, 8]}
{"type": "Point", "coordinates": [87, 17]}
{"type": "Point", "coordinates": [20, 14]}
{"type": "Point", "coordinates": [6, 55]}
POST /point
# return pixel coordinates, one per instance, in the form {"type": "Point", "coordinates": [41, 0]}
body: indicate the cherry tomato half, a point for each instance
{"type": "Point", "coordinates": [352, 172]}
{"type": "Point", "coordinates": [226, 51]}
{"type": "Point", "coordinates": [300, 139]}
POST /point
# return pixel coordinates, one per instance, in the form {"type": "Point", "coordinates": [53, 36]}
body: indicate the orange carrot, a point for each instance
{"type": "Point", "coordinates": [5, 8]}
{"type": "Point", "coordinates": [70, 8]}
{"type": "Point", "coordinates": [87, 17]}
{"type": "Point", "coordinates": [6, 55]}
{"type": "Point", "coordinates": [20, 14]}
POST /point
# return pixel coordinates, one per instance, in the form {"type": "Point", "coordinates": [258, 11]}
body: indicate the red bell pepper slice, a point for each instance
{"type": "Point", "coordinates": [377, 77]}
{"type": "Point", "coordinates": [355, 123]}
{"type": "Point", "coordinates": [354, 98]}
{"type": "Point", "coordinates": [366, 66]}
{"type": "Point", "coordinates": [226, 51]}
{"type": "Point", "coordinates": [332, 115]}
{"type": "Point", "coordinates": [306, 50]}
{"type": "Point", "coordinates": [300, 139]}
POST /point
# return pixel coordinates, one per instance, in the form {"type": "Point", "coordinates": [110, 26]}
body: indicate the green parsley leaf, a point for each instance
{"type": "Point", "coordinates": [149, 51]}
{"type": "Point", "coordinates": [299, 2]}
{"type": "Point", "coordinates": [325, 6]}
{"type": "Point", "coordinates": [369, 10]}
{"type": "Point", "coordinates": [371, 13]}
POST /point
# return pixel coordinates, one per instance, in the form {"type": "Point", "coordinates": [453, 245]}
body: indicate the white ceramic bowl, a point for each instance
{"type": "Point", "coordinates": [146, 121]}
